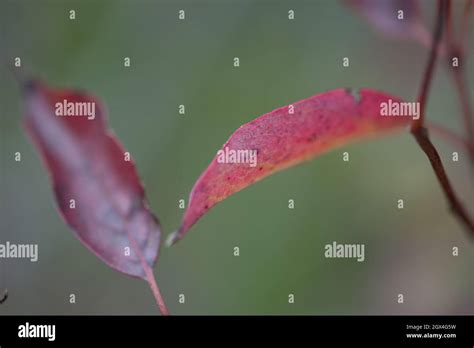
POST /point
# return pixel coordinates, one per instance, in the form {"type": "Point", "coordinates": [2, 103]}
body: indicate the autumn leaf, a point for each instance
{"type": "Point", "coordinates": [97, 189]}
{"type": "Point", "coordinates": [284, 138]}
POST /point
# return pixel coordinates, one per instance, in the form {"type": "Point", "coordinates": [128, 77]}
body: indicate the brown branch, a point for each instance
{"type": "Point", "coordinates": [457, 208]}
{"type": "Point", "coordinates": [462, 91]}
{"type": "Point", "coordinates": [451, 137]}
{"type": "Point", "coordinates": [421, 134]}
{"type": "Point", "coordinates": [457, 49]}
{"type": "Point", "coordinates": [448, 24]}
{"type": "Point", "coordinates": [428, 75]}
{"type": "Point", "coordinates": [469, 6]}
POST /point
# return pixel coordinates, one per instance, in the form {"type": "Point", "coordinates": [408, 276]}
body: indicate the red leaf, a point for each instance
{"type": "Point", "coordinates": [384, 16]}
{"type": "Point", "coordinates": [281, 139]}
{"type": "Point", "coordinates": [87, 164]}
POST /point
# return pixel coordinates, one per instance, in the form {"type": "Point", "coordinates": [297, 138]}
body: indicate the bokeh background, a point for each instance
{"type": "Point", "coordinates": [190, 62]}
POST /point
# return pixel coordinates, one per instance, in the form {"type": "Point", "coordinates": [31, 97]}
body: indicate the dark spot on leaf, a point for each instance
{"type": "Point", "coordinates": [354, 93]}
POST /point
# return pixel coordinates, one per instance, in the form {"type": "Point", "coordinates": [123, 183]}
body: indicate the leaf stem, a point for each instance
{"type": "Point", "coordinates": [156, 291]}
{"type": "Point", "coordinates": [421, 134]}
{"type": "Point", "coordinates": [150, 278]}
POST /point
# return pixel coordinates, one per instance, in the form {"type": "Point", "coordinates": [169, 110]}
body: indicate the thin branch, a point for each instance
{"type": "Point", "coordinates": [457, 208]}
{"type": "Point", "coordinates": [424, 37]}
{"type": "Point", "coordinates": [421, 134]}
{"type": "Point", "coordinates": [451, 137]}
{"type": "Point", "coordinates": [469, 6]}
{"type": "Point", "coordinates": [462, 89]}
{"type": "Point", "coordinates": [448, 23]}
{"type": "Point", "coordinates": [428, 75]}
{"type": "Point", "coordinates": [457, 49]}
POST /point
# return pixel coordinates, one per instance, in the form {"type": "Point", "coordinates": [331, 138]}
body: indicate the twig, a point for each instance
{"type": "Point", "coordinates": [451, 137]}
{"type": "Point", "coordinates": [457, 208]}
{"type": "Point", "coordinates": [465, 23]}
{"type": "Point", "coordinates": [428, 74]}
{"type": "Point", "coordinates": [457, 49]}
{"type": "Point", "coordinates": [421, 134]}
{"type": "Point", "coordinates": [462, 89]}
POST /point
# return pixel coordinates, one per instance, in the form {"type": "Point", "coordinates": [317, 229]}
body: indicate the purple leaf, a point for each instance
{"type": "Point", "coordinates": [95, 183]}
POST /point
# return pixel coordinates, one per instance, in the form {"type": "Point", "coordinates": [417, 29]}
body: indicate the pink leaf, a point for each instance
{"type": "Point", "coordinates": [285, 137]}
{"type": "Point", "coordinates": [95, 183]}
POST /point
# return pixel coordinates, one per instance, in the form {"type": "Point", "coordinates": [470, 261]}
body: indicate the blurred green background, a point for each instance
{"type": "Point", "coordinates": [190, 62]}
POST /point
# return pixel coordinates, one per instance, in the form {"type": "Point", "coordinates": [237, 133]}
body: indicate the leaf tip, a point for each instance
{"type": "Point", "coordinates": [172, 239]}
{"type": "Point", "coordinates": [28, 86]}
